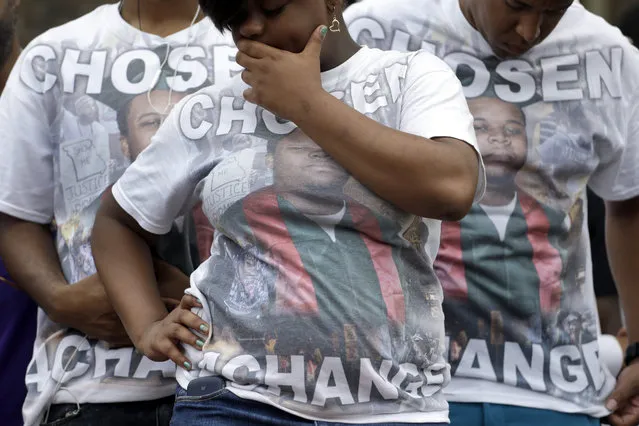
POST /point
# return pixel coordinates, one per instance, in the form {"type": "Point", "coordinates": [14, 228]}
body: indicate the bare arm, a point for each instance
{"type": "Point", "coordinates": [622, 240]}
{"type": "Point", "coordinates": [429, 178]}
{"type": "Point", "coordinates": [32, 261]}
{"type": "Point", "coordinates": [425, 177]}
{"type": "Point", "coordinates": [122, 253]}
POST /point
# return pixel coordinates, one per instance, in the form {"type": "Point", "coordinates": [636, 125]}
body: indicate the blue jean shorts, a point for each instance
{"type": "Point", "coordinates": [220, 407]}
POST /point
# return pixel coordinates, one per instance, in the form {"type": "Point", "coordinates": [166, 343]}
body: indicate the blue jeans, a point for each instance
{"type": "Point", "coordinates": [223, 408]}
{"type": "Point", "coordinates": [467, 414]}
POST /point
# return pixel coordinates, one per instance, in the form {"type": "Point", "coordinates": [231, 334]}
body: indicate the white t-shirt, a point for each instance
{"type": "Point", "coordinates": [500, 215]}
{"type": "Point", "coordinates": [521, 316]}
{"type": "Point", "coordinates": [322, 300]}
{"type": "Point", "coordinates": [61, 150]}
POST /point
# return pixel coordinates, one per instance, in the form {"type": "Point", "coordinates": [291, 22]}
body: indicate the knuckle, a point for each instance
{"type": "Point", "coordinates": [175, 328]}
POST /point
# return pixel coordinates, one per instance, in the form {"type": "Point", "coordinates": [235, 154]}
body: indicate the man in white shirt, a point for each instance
{"type": "Point", "coordinates": [513, 365]}
{"type": "Point", "coordinates": [55, 168]}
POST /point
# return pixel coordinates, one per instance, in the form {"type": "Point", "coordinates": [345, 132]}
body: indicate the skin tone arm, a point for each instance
{"type": "Point", "coordinates": [622, 227]}
{"type": "Point", "coordinates": [122, 253]}
{"type": "Point", "coordinates": [35, 268]}
{"type": "Point", "coordinates": [425, 177]}
{"type": "Point", "coordinates": [429, 178]}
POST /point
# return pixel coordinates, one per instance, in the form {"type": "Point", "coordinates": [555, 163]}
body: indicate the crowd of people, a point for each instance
{"type": "Point", "coordinates": [299, 212]}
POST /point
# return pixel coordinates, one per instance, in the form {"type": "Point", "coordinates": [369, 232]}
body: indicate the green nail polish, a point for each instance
{"type": "Point", "coordinates": [200, 343]}
{"type": "Point", "coordinates": [204, 328]}
{"type": "Point", "coordinates": [187, 365]}
{"type": "Point", "coordinates": [323, 31]}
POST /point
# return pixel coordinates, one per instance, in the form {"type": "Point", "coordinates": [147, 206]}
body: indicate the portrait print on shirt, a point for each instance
{"type": "Point", "coordinates": [316, 284]}
{"type": "Point", "coordinates": [321, 295]}
{"type": "Point", "coordinates": [516, 273]}
{"type": "Point", "coordinates": [82, 103]}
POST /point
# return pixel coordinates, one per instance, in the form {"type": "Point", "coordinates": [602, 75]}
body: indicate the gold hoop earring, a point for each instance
{"type": "Point", "coordinates": [335, 25]}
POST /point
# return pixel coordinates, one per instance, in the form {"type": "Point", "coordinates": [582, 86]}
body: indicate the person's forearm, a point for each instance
{"type": "Point", "coordinates": [124, 263]}
{"type": "Point", "coordinates": [622, 238]}
{"type": "Point", "coordinates": [435, 179]}
{"type": "Point", "coordinates": [31, 259]}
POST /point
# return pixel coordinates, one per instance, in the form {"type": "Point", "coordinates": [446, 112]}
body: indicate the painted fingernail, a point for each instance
{"type": "Point", "coordinates": [611, 405]}
{"type": "Point", "coordinates": [187, 365]}
{"type": "Point", "coordinates": [323, 31]}
{"type": "Point", "coordinates": [200, 343]}
{"type": "Point", "coordinates": [204, 328]}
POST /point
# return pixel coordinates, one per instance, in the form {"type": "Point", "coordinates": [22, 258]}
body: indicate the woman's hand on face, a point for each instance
{"type": "Point", "coordinates": [281, 81]}
{"type": "Point", "coordinates": [161, 340]}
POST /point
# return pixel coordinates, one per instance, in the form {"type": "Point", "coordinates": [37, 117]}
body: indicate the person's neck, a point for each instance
{"type": "Point", "coordinates": [500, 196]}
{"type": "Point", "coordinates": [8, 66]}
{"type": "Point", "coordinates": [160, 17]}
{"type": "Point", "coordinates": [341, 47]}
{"type": "Point", "coordinates": [312, 206]}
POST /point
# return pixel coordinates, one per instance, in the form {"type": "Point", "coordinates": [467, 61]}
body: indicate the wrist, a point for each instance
{"type": "Point", "coordinates": [141, 328]}
{"type": "Point", "coordinates": [139, 333]}
{"type": "Point", "coordinates": [59, 304]}
{"type": "Point", "coordinates": [310, 106]}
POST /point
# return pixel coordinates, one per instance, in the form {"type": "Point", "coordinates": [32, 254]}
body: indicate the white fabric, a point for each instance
{"type": "Point", "coordinates": [576, 96]}
{"type": "Point", "coordinates": [277, 287]}
{"type": "Point", "coordinates": [328, 221]}
{"type": "Point", "coordinates": [61, 149]}
{"type": "Point", "coordinates": [500, 215]}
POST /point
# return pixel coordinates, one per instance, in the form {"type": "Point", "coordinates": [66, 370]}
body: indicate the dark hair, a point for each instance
{"type": "Point", "coordinates": [224, 12]}
{"type": "Point", "coordinates": [628, 23]}
{"type": "Point", "coordinates": [123, 118]}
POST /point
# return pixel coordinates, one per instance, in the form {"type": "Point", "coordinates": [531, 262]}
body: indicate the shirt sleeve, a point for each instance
{"type": "Point", "coordinates": [434, 106]}
{"type": "Point", "coordinates": [617, 175]}
{"type": "Point", "coordinates": [27, 139]}
{"type": "Point", "coordinates": [160, 184]}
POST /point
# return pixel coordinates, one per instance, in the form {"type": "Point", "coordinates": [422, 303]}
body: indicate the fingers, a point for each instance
{"type": "Point", "coordinates": [246, 61]}
{"type": "Point", "coordinates": [170, 303]}
{"type": "Point", "coordinates": [624, 418]}
{"type": "Point", "coordinates": [257, 50]}
{"type": "Point", "coordinates": [172, 352]}
{"type": "Point", "coordinates": [178, 332]}
{"type": "Point", "coordinates": [189, 302]}
{"type": "Point", "coordinates": [248, 77]}
{"type": "Point", "coordinates": [192, 321]}
{"type": "Point", "coordinates": [624, 400]}
{"type": "Point", "coordinates": [251, 96]}
{"type": "Point", "coordinates": [314, 44]}
{"type": "Point", "coordinates": [187, 318]}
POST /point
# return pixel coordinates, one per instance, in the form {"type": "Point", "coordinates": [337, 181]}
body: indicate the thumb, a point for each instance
{"type": "Point", "coordinates": [620, 396]}
{"type": "Point", "coordinates": [314, 45]}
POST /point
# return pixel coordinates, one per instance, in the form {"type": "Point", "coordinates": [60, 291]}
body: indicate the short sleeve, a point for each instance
{"type": "Point", "coordinates": [617, 176]}
{"type": "Point", "coordinates": [160, 184]}
{"type": "Point", "coordinates": [434, 106]}
{"type": "Point", "coordinates": [27, 140]}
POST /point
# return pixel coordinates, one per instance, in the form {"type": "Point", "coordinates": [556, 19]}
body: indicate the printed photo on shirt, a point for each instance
{"type": "Point", "coordinates": [312, 277]}
{"type": "Point", "coordinates": [93, 96]}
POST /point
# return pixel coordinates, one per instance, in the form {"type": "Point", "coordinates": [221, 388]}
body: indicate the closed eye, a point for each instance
{"type": "Point", "coordinates": [270, 13]}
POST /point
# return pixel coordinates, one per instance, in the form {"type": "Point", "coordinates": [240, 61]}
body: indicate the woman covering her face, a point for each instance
{"type": "Point", "coordinates": [325, 168]}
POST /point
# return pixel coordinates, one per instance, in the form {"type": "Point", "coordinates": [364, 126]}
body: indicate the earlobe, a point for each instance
{"type": "Point", "coordinates": [334, 6]}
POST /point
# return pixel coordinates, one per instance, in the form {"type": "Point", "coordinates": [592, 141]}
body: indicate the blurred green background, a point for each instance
{"type": "Point", "coordinates": [40, 15]}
